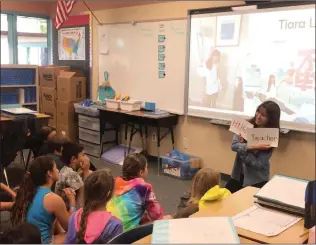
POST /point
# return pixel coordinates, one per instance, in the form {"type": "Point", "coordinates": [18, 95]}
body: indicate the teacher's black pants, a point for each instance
{"type": "Point", "coordinates": [235, 185]}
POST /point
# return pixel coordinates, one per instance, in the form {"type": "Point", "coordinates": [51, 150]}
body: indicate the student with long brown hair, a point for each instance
{"type": "Point", "coordinates": [37, 204]}
{"type": "Point", "coordinates": [92, 223]}
{"type": "Point", "coordinates": [134, 201]}
{"type": "Point", "coordinates": [205, 190]}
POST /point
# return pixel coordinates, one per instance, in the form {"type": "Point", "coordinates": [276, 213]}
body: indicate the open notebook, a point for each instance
{"type": "Point", "coordinates": [285, 193]}
{"type": "Point", "coordinates": [195, 230]}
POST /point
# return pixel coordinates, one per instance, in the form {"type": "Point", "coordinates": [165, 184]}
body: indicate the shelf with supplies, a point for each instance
{"type": "Point", "coordinates": [19, 85]}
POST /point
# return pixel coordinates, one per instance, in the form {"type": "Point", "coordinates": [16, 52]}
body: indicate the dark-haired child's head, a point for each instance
{"type": "Point", "coordinates": [267, 115]}
{"type": "Point", "coordinates": [55, 144]}
{"type": "Point", "coordinates": [73, 155]}
{"type": "Point", "coordinates": [98, 190]}
{"type": "Point", "coordinates": [46, 133]}
{"type": "Point", "coordinates": [135, 166]}
{"type": "Point", "coordinates": [25, 233]}
{"type": "Point", "coordinates": [42, 171]}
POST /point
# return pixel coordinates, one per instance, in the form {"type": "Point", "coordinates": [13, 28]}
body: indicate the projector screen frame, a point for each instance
{"type": "Point", "coordinates": [243, 9]}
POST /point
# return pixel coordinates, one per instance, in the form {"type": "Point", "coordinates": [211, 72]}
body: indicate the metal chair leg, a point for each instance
{"type": "Point", "coordinates": [6, 177]}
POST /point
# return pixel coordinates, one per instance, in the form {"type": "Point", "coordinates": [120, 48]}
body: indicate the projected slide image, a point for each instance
{"type": "Point", "coordinates": [239, 61]}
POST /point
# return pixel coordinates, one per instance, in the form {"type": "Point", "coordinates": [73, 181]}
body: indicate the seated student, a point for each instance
{"type": "Point", "coordinates": [85, 169]}
{"type": "Point", "coordinates": [92, 223]}
{"type": "Point", "coordinates": [25, 233]}
{"type": "Point", "coordinates": [134, 201]}
{"type": "Point", "coordinates": [73, 157]}
{"type": "Point", "coordinates": [205, 190]}
{"type": "Point", "coordinates": [6, 198]}
{"type": "Point", "coordinates": [46, 133]}
{"type": "Point", "coordinates": [37, 204]}
{"type": "Point", "coordinates": [54, 149]}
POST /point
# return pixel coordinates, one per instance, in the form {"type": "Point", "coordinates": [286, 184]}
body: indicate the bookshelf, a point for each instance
{"type": "Point", "coordinates": [19, 85]}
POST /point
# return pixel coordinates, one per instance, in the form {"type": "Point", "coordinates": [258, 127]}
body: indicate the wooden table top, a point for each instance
{"type": "Point", "coordinates": [238, 202]}
{"type": "Point", "coordinates": [147, 240]}
{"type": "Point", "coordinates": [38, 115]}
{"type": "Point", "coordinates": [242, 200]}
{"type": "Point", "coordinates": [138, 113]}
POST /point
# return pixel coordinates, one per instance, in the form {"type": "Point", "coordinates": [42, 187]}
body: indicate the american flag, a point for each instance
{"type": "Point", "coordinates": [63, 10]}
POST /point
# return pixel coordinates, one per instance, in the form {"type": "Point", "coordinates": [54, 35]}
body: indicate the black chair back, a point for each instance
{"type": "Point", "coordinates": [13, 139]}
{"type": "Point", "coordinates": [133, 235]}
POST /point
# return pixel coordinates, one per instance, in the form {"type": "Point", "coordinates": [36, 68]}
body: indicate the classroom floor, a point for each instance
{"type": "Point", "coordinates": [168, 190]}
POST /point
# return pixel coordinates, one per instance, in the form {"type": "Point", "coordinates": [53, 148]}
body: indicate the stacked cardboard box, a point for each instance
{"type": "Point", "coordinates": [60, 89]}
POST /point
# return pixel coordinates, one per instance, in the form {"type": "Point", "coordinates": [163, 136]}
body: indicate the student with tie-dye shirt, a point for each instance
{"type": "Point", "coordinates": [134, 201]}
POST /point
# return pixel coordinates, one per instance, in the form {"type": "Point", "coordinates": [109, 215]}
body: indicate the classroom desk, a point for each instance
{"type": "Point", "coordinates": [139, 122]}
{"type": "Point", "coordinates": [34, 124]}
{"type": "Point", "coordinates": [37, 115]}
{"type": "Point", "coordinates": [147, 240]}
{"type": "Point", "coordinates": [242, 200]}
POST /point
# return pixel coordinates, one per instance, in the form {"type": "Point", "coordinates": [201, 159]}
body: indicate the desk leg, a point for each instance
{"type": "Point", "coordinates": [158, 148]}
{"type": "Point", "coordinates": [141, 135]}
{"type": "Point", "coordinates": [172, 136]}
{"type": "Point", "coordinates": [146, 137]}
{"type": "Point", "coordinates": [131, 138]}
{"type": "Point", "coordinates": [126, 142]}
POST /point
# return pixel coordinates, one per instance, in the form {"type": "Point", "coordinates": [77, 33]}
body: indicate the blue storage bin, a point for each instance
{"type": "Point", "coordinates": [178, 165]}
{"type": "Point", "coordinates": [17, 76]}
{"type": "Point", "coordinates": [9, 97]}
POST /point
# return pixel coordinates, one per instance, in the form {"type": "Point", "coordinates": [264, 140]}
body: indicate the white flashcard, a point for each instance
{"type": "Point", "coordinates": [260, 136]}
{"type": "Point", "coordinates": [239, 126]}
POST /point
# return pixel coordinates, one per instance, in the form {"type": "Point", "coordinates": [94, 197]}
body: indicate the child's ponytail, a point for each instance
{"type": "Point", "coordinates": [35, 177]}
{"type": "Point", "coordinates": [98, 190]}
{"type": "Point", "coordinates": [24, 197]}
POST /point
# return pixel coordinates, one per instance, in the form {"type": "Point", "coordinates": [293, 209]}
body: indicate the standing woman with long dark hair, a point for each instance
{"type": "Point", "coordinates": [252, 163]}
{"type": "Point", "coordinates": [37, 204]}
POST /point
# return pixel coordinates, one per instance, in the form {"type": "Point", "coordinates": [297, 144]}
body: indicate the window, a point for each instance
{"type": "Point", "coordinates": [32, 40]}
{"type": "Point", "coordinates": [25, 39]}
{"type": "Point", "coordinates": [4, 40]}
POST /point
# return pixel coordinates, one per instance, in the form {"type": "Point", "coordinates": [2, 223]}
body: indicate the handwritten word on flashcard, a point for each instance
{"type": "Point", "coordinates": [259, 136]}
{"type": "Point", "coordinates": [239, 126]}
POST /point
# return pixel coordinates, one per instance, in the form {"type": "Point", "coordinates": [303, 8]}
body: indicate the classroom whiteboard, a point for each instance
{"type": "Point", "coordinates": [130, 54]}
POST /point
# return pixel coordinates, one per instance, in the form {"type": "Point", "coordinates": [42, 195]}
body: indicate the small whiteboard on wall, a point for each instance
{"type": "Point", "coordinates": [146, 61]}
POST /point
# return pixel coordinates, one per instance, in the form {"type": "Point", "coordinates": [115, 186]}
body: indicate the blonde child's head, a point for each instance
{"type": "Point", "coordinates": [205, 179]}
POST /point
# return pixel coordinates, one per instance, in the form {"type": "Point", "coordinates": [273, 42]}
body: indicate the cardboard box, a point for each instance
{"type": "Point", "coordinates": [70, 130]}
{"type": "Point", "coordinates": [48, 75]}
{"type": "Point", "coordinates": [52, 112]}
{"type": "Point", "coordinates": [48, 98]}
{"type": "Point", "coordinates": [65, 112]}
{"type": "Point", "coordinates": [48, 104]}
{"type": "Point", "coordinates": [71, 86]}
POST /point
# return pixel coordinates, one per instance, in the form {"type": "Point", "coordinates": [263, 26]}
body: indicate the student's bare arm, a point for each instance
{"type": "Point", "coordinates": [5, 206]}
{"type": "Point", "coordinates": [7, 190]}
{"type": "Point", "coordinates": [56, 205]}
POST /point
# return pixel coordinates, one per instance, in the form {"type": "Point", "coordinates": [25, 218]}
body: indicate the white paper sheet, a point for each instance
{"type": "Point", "coordinates": [240, 126]}
{"type": "Point", "coordinates": [259, 136]}
{"type": "Point", "coordinates": [267, 222]}
{"type": "Point", "coordinates": [285, 190]}
{"type": "Point", "coordinates": [204, 230]}
{"type": "Point", "coordinates": [20, 110]}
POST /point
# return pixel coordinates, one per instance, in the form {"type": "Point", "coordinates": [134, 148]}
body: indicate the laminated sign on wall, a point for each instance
{"type": "Point", "coordinates": [71, 43]}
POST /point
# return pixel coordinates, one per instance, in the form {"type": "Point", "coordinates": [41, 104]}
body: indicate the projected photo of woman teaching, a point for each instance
{"type": "Point", "coordinates": [262, 56]}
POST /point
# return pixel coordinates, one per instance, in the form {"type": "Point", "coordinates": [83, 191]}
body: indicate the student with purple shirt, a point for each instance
{"type": "Point", "coordinates": [92, 223]}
